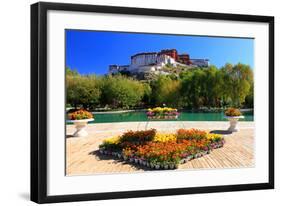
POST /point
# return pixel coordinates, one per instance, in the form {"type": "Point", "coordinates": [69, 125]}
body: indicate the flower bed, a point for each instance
{"type": "Point", "coordinates": [162, 113]}
{"type": "Point", "coordinates": [161, 151]}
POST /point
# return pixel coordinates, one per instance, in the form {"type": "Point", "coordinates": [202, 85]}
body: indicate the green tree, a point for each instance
{"type": "Point", "coordinates": [166, 91]}
{"type": "Point", "coordinates": [249, 100]}
{"type": "Point", "coordinates": [193, 88]}
{"type": "Point", "coordinates": [232, 85]}
{"type": "Point", "coordinates": [237, 82]}
{"type": "Point", "coordinates": [147, 93]}
{"type": "Point", "coordinates": [122, 92]}
{"type": "Point", "coordinates": [213, 85]}
{"type": "Point", "coordinates": [82, 91]}
{"type": "Point", "coordinates": [70, 72]}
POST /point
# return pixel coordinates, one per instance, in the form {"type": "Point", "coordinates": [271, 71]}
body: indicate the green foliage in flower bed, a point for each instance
{"type": "Point", "coordinates": [138, 136]}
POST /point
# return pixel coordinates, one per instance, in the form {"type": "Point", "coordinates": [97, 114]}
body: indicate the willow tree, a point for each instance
{"type": "Point", "coordinates": [194, 88]}
{"type": "Point", "coordinates": [166, 91]}
{"type": "Point", "coordinates": [237, 82]}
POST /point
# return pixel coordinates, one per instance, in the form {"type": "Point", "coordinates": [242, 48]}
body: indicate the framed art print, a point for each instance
{"type": "Point", "coordinates": [134, 102]}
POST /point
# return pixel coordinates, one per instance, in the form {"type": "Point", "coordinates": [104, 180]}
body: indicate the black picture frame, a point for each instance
{"type": "Point", "coordinates": [39, 101]}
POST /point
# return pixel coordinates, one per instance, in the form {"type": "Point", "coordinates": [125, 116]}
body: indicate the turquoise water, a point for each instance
{"type": "Point", "coordinates": [184, 116]}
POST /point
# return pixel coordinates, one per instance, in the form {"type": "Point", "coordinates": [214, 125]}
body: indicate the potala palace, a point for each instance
{"type": "Point", "coordinates": [155, 61]}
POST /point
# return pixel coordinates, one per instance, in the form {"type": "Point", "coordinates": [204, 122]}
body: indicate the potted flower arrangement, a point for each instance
{"type": "Point", "coordinates": [162, 113]}
{"type": "Point", "coordinates": [157, 165]}
{"type": "Point", "coordinates": [165, 165]}
{"type": "Point", "coordinates": [80, 119]}
{"type": "Point", "coordinates": [233, 115]}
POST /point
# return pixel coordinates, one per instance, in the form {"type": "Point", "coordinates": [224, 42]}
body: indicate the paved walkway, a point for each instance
{"type": "Point", "coordinates": [82, 156]}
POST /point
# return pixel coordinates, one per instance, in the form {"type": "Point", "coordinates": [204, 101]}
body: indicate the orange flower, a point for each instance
{"type": "Point", "coordinates": [80, 114]}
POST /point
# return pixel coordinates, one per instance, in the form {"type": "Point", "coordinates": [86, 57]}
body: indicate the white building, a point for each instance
{"type": "Point", "coordinates": [114, 69]}
{"type": "Point", "coordinates": [145, 62]}
{"type": "Point", "coordinates": [153, 62]}
{"type": "Point", "coordinates": [200, 62]}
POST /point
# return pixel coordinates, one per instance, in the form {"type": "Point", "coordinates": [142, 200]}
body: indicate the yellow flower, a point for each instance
{"type": "Point", "coordinates": [164, 137]}
{"type": "Point", "coordinates": [162, 109]}
{"type": "Point", "coordinates": [211, 136]}
{"type": "Point", "coordinates": [112, 140]}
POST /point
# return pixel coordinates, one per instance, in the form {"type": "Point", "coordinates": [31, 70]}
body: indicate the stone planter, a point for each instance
{"type": "Point", "coordinates": [80, 126]}
{"type": "Point", "coordinates": [233, 121]}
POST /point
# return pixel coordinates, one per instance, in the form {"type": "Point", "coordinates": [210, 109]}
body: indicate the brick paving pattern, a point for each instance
{"type": "Point", "coordinates": [82, 157]}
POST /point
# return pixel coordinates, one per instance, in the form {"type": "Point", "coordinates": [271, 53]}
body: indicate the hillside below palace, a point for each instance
{"type": "Point", "coordinates": [155, 61]}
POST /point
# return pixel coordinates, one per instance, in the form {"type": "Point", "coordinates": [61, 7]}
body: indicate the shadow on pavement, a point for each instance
{"type": "Point", "coordinates": [220, 132]}
{"type": "Point", "coordinates": [118, 161]}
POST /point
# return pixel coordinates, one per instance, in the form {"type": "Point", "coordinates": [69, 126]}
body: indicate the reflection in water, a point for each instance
{"type": "Point", "coordinates": [184, 116]}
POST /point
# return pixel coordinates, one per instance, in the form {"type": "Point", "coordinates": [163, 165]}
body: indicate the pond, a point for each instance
{"type": "Point", "coordinates": [184, 116]}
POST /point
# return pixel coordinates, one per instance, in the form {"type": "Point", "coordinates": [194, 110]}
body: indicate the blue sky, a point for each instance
{"type": "Point", "coordinates": [93, 51]}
